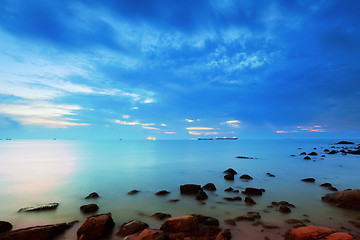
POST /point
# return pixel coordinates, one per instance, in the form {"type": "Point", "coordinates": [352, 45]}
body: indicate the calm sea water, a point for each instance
{"type": "Point", "coordinates": [34, 172]}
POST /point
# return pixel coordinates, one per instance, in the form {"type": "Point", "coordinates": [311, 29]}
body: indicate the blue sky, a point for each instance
{"type": "Point", "coordinates": [179, 69]}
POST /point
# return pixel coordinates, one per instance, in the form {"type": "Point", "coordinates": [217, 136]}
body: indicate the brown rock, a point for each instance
{"type": "Point", "coordinates": [224, 235]}
{"type": "Point", "coordinates": [209, 187]}
{"type": "Point", "coordinates": [229, 176]}
{"type": "Point", "coordinates": [229, 189]}
{"type": "Point", "coordinates": [186, 223]}
{"type": "Point", "coordinates": [161, 216]}
{"type": "Point", "coordinates": [340, 236]}
{"type": "Point", "coordinates": [284, 209]}
{"type": "Point", "coordinates": [344, 199]}
{"type": "Point", "coordinates": [46, 232]}
{"type": "Point", "coordinates": [162, 193]}
{"type": "Point", "coordinates": [230, 171]}
{"type": "Point", "coordinates": [89, 208]}
{"type": "Point", "coordinates": [230, 222]}
{"type": "Point", "coordinates": [5, 226]}
{"type": "Point", "coordinates": [92, 195]}
{"type": "Point", "coordinates": [190, 189]}
{"type": "Point", "coordinates": [249, 201]}
{"type": "Point", "coordinates": [132, 192]}
{"type": "Point", "coordinates": [246, 177]}
{"type": "Point", "coordinates": [131, 227]}
{"type": "Point", "coordinates": [252, 191]}
{"type": "Point", "coordinates": [310, 232]}
{"type": "Point", "coordinates": [201, 195]}
{"type": "Point", "coordinates": [205, 220]}
{"type": "Point", "coordinates": [96, 226]}
{"type": "Point", "coordinates": [147, 234]}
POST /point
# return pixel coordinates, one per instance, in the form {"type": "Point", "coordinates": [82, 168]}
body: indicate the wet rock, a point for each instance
{"type": "Point", "coordinates": [357, 152]}
{"type": "Point", "coordinates": [230, 189]}
{"type": "Point", "coordinates": [326, 150]}
{"type": "Point", "coordinates": [307, 158]}
{"type": "Point", "coordinates": [310, 232]}
{"type": "Point", "coordinates": [340, 236]}
{"type": "Point", "coordinates": [206, 220]}
{"type": "Point", "coordinates": [190, 189]}
{"type": "Point", "coordinates": [313, 154]}
{"type": "Point", "coordinates": [131, 227]}
{"type": "Point", "coordinates": [132, 192]}
{"type": "Point", "coordinates": [270, 175]}
{"type": "Point", "coordinates": [162, 193]}
{"type": "Point", "coordinates": [45, 232]}
{"type": "Point", "coordinates": [44, 207]}
{"type": "Point", "coordinates": [224, 235]}
{"type": "Point", "coordinates": [96, 227]}
{"type": "Point", "coordinates": [250, 216]}
{"type": "Point", "coordinates": [92, 195]}
{"type": "Point", "coordinates": [303, 153]}
{"type": "Point", "coordinates": [345, 142]}
{"type": "Point", "coordinates": [147, 234]}
{"type": "Point", "coordinates": [252, 191]}
{"type": "Point", "coordinates": [308, 180]}
{"type": "Point", "coordinates": [333, 189]}
{"type": "Point", "coordinates": [323, 156]}
{"type": "Point", "coordinates": [174, 200]}
{"type": "Point", "coordinates": [161, 216]}
{"type": "Point", "coordinates": [230, 222]}
{"type": "Point", "coordinates": [230, 171]}
{"type": "Point", "coordinates": [242, 157]}
{"type": "Point", "coordinates": [284, 209]}
{"type": "Point", "coordinates": [89, 208]}
{"type": "Point", "coordinates": [344, 199]}
{"type": "Point", "coordinates": [5, 226]}
{"type": "Point", "coordinates": [232, 199]}
{"type": "Point", "coordinates": [209, 187]}
{"type": "Point", "coordinates": [249, 201]}
{"type": "Point", "coordinates": [285, 203]}
{"type": "Point", "coordinates": [292, 155]}
{"type": "Point", "coordinates": [333, 152]}
{"type": "Point", "coordinates": [201, 195]}
{"type": "Point", "coordinates": [186, 223]}
{"type": "Point", "coordinates": [246, 177]}
{"type": "Point", "coordinates": [326, 185]}
{"type": "Point", "coordinates": [229, 177]}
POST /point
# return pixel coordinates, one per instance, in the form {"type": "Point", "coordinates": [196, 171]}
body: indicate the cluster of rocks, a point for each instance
{"type": "Point", "coordinates": [312, 232]}
{"type": "Point", "coordinates": [344, 150]}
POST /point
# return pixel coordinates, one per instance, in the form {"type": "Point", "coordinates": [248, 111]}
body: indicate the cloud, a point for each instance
{"type": "Point", "coordinates": [189, 120]}
{"type": "Point", "coordinates": [194, 133]}
{"type": "Point", "coordinates": [148, 100]}
{"type": "Point", "coordinates": [126, 123]}
{"type": "Point", "coordinates": [163, 124]}
{"type": "Point", "coordinates": [147, 124]}
{"type": "Point", "coordinates": [125, 116]}
{"type": "Point", "coordinates": [232, 123]}
{"type": "Point", "coordinates": [154, 128]}
{"type": "Point", "coordinates": [299, 129]}
{"type": "Point", "coordinates": [170, 132]}
{"type": "Point", "coordinates": [199, 128]}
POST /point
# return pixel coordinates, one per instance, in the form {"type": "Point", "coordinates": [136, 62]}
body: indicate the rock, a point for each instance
{"type": "Point", "coordinates": [230, 171]}
{"type": "Point", "coordinates": [340, 236]}
{"type": "Point", "coordinates": [201, 195]}
{"type": "Point", "coordinates": [313, 154]}
{"type": "Point", "coordinates": [270, 175]}
{"type": "Point", "coordinates": [230, 189]}
{"type": "Point", "coordinates": [44, 207]}
{"type": "Point", "coordinates": [232, 199]}
{"type": "Point", "coordinates": [186, 223]}
{"type": "Point", "coordinates": [162, 193]}
{"type": "Point", "coordinates": [252, 191]}
{"type": "Point", "coordinates": [250, 216]}
{"type": "Point", "coordinates": [307, 158]}
{"type": "Point", "coordinates": [230, 222]}
{"type": "Point", "coordinates": [292, 155]}
{"type": "Point", "coordinates": [249, 201]}
{"type": "Point", "coordinates": [132, 192]}
{"type": "Point", "coordinates": [323, 156]}
{"type": "Point", "coordinates": [326, 150]}
{"type": "Point", "coordinates": [345, 142]}
{"type": "Point", "coordinates": [357, 152]}
{"type": "Point", "coordinates": [285, 203]}
{"type": "Point", "coordinates": [303, 153]}
{"type": "Point", "coordinates": [268, 226]}
{"type": "Point", "coordinates": [147, 234]}
{"type": "Point", "coordinates": [308, 180]}
{"type": "Point", "coordinates": [224, 235]}
{"type": "Point", "coordinates": [45, 232]}
{"type": "Point", "coordinates": [296, 222]}
{"type": "Point", "coordinates": [242, 157]}
{"type": "Point", "coordinates": [90, 208]}
{"type": "Point", "coordinates": [356, 224]}
{"type": "Point", "coordinates": [310, 232]}
{"type": "Point", "coordinates": [333, 189]}
{"type": "Point", "coordinates": [205, 220]}
{"type": "Point", "coordinates": [333, 152]}
{"type": "Point", "coordinates": [284, 209]}
{"type": "Point", "coordinates": [246, 177]}
{"type": "Point", "coordinates": [209, 187]}
{"type": "Point", "coordinates": [5, 226]}
{"type": "Point", "coordinates": [131, 227]}
{"type": "Point", "coordinates": [326, 185]}
{"type": "Point", "coordinates": [229, 176]}
{"type": "Point", "coordinates": [161, 216]}
{"type": "Point", "coordinates": [190, 189]}
{"type": "Point", "coordinates": [92, 195]}
{"type": "Point", "coordinates": [96, 227]}
{"type": "Point", "coordinates": [344, 199]}
{"type": "Point", "coordinates": [174, 200]}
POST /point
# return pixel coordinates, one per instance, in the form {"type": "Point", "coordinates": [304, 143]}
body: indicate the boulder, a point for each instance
{"type": "Point", "coordinates": [162, 193]}
{"type": "Point", "coordinates": [344, 199]}
{"type": "Point", "coordinates": [186, 223]}
{"type": "Point", "coordinates": [161, 216]}
{"type": "Point", "coordinates": [89, 208]}
{"type": "Point", "coordinates": [345, 142]}
{"type": "Point", "coordinates": [230, 222]}
{"type": "Point", "coordinates": [44, 207]}
{"type": "Point", "coordinates": [5, 226]}
{"type": "Point", "coordinates": [308, 180]}
{"type": "Point", "coordinates": [252, 191]}
{"type": "Point", "coordinates": [249, 201]}
{"type": "Point", "coordinates": [147, 234]}
{"type": "Point", "coordinates": [284, 209]}
{"type": "Point", "coordinates": [132, 192]}
{"type": "Point", "coordinates": [209, 187]}
{"type": "Point", "coordinates": [230, 170]}
{"type": "Point", "coordinates": [229, 176]}
{"type": "Point", "coordinates": [92, 195]}
{"type": "Point", "coordinates": [201, 195]}
{"type": "Point", "coordinates": [270, 175]}
{"type": "Point", "coordinates": [340, 236]}
{"type": "Point", "coordinates": [205, 220]}
{"type": "Point", "coordinates": [313, 154]}
{"type": "Point", "coordinates": [229, 189]}
{"type": "Point", "coordinates": [190, 189]}
{"type": "Point", "coordinates": [246, 177]}
{"type": "Point", "coordinates": [131, 227]}
{"type": "Point", "coordinates": [307, 158]}
{"type": "Point", "coordinates": [232, 199]}
{"type": "Point", "coordinates": [326, 185]}
{"type": "Point", "coordinates": [224, 235]}
{"type": "Point", "coordinates": [310, 232]}
{"type": "Point", "coordinates": [96, 227]}
{"type": "Point", "coordinates": [303, 153]}
{"type": "Point", "coordinates": [45, 232]}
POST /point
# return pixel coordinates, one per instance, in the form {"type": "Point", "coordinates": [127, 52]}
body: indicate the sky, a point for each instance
{"type": "Point", "coordinates": [131, 69]}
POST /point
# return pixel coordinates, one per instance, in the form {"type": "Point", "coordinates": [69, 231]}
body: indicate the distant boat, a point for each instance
{"type": "Point", "coordinates": [226, 138]}
{"type": "Point", "coordinates": [151, 138]}
{"type": "Point", "coordinates": [210, 138]}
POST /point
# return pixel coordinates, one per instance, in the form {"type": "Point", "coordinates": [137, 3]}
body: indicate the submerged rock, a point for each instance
{"type": "Point", "coordinates": [344, 199]}
{"type": "Point", "coordinates": [89, 208]}
{"type": "Point", "coordinates": [229, 176]}
{"type": "Point", "coordinates": [345, 142]}
{"type": "Point", "coordinates": [232, 199]}
{"type": "Point", "coordinates": [44, 207]}
{"type": "Point", "coordinates": [131, 227]}
{"type": "Point", "coordinates": [230, 222]}
{"type": "Point", "coordinates": [132, 192]}
{"type": "Point", "coordinates": [249, 201]}
{"type": "Point", "coordinates": [313, 154]}
{"type": "Point", "coordinates": [230, 170]}
{"type": "Point", "coordinates": [270, 175]}
{"type": "Point", "coordinates": [162, 193]}
{"type": "Point", "coordinates": [252, 191]}
{"type": "Point", "coordinates": [161, 216]}
{"type": "Point", "coordinates": [190, 189]}
{"type": "Point", "coordinates": [284, 209]}
{"type": "Point", "coordinates": [246, 177]}
{"type": "Point", "coordinates": [242, 157]}
{"type": "Point", "coordinates": [308, 180]}
{"type": "Point", "coordinates": [92, 195]}
{"type": "Point", "coordinates": [307, 158]}
{"type": "Point", "coordinates": [201, 195]}
{"type": "Point", "coordinates": [5, 226]}
{"type": "Point", "coordinates": [209, 187]}
{"type": "Point", "coordinates": [96, 227]}
{"type": "Point", "coordinates": [229, 189]}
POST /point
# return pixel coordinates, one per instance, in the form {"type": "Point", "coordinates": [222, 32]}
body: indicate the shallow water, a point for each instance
{"type": "Point", "coordinates": [37, 171]}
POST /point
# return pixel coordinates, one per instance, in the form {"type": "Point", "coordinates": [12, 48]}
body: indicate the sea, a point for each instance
{"type": "Point", "coordinates": [35, 172]}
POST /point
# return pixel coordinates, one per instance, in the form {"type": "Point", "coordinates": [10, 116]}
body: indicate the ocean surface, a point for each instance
{"type": "Point", "coordinates": [34, 172]}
